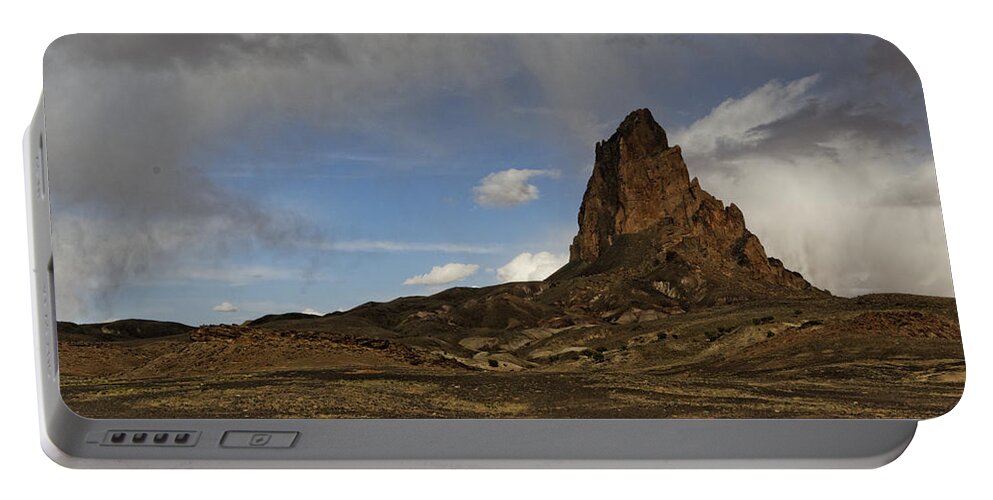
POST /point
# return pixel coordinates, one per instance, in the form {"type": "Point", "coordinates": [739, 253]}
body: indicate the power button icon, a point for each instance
{"type": "Point", "coordinates": [258, 439]}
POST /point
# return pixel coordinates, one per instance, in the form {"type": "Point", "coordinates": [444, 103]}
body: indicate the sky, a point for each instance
{"type": "Point", "coordinates": [215, 179]}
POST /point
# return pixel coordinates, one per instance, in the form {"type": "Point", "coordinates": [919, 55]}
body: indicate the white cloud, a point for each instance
{"type": "Point", "coordinates": [440, 275]}
{"type": "Point", "coordinates": [405, 246]}
{"type": "Point", "coordinates": [532, 267]}
{"type": "Point", "coordinates": [509, 187]}
{"type": "Point", "coordinates": [734, 120]}
{"type": "Point", "coordinates": [226, 307]}
{"type": "Point", "coordinates": [312, 312]}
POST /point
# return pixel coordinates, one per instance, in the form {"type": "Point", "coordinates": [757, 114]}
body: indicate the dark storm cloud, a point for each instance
{"type": "Point", "coordinates": [163, 52]}
{"type": "Point", "coordinates": [885, 62]}
{"type": "Point", "coordinates": [820, 122]}
{"type": "Point", "coordinates": [131, 202]}
{"type": "Point", "coordinates": [810, 131]}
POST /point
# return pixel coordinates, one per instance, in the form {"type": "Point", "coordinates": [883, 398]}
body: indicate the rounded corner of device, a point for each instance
{"type": "Point", "coordinates": [57, 454]}
{"type": "Point", "coordinates": [889, 455]}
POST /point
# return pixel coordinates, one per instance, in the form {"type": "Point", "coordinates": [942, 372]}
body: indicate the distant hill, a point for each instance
{"type": "Point", "coordinates": [125, 329]}
{"type": "Point", "coordinates": [269, 318]}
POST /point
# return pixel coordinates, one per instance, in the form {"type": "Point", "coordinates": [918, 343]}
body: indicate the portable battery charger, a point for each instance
{"type": "Point", "coordinates": [486, 251]}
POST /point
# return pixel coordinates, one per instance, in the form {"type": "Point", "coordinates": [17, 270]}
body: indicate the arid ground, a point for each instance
{"type": "Point", "coordinates": [892, 356]}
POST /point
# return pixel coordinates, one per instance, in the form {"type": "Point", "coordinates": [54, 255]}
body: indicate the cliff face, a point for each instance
{"type": "Point", "coordinates": [642, 215]}
{"type": "Point", "coordinates": [638, 181]}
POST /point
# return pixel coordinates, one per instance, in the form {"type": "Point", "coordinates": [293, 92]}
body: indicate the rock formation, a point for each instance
{"type": "Point", "coordinates": [642, 217]}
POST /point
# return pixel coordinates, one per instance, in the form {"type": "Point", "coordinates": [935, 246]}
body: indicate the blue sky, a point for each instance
{"type": "Point", "coordinates": [217, 179]}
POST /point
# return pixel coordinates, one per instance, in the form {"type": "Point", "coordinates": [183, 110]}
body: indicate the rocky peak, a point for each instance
{"type": "Point", "coordinates": [641, 186]}
{"type": "Point", "coordinates": [638, 181]}
{"type": "Point", "coordinates": [638, 135]}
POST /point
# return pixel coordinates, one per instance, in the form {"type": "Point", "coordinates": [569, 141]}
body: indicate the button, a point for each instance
{"type": "Point", "coordinates": [182, 437]}
{"type": "Point", "coordinates": [139, 437]}
{"type": "Point", "coordinates": [258, 439]}
{"type": "Point", "coordinates": [117, 437]}
{"type": "Point", "coordinates": [160, 437]}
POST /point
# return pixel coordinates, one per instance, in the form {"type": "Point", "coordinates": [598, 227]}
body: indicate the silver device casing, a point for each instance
{"type": "Point", "coordinates": [75, 441]}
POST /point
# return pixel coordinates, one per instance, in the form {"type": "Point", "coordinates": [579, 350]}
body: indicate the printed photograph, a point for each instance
{"type": "Point", "coordinates": [496, 226]}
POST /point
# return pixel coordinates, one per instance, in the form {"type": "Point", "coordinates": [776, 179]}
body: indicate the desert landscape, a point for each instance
{"type": "Point", "coordinates": [669, 307]}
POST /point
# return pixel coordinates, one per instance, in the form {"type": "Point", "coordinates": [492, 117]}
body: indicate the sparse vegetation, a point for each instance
{"type": "Point", "coordinates": [714, 335]}
{"type": "Point", "coordinates": [764, 320]}
{"type": "Point", "coordinates": [594, 355]}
